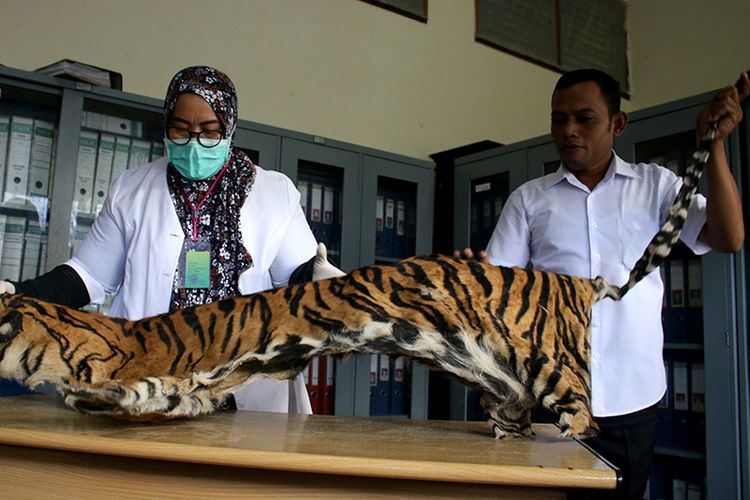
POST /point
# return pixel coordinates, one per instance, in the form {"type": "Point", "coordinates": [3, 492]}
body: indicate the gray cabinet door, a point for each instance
{"type": "Point", "coordinates": [412, 181]}
{"type": "Point", "coordinates": [262, 148]}
{"type": "Point", "coordinates": [297, 154]}
{"type": "Point", "coordinates": [496, 171]}
{"type": "Point", "coordinates": [542, 160]}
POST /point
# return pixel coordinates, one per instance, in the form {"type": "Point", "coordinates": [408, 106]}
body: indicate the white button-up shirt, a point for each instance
{"type": "Point", "coordinates": [555, 223]}
{"type": "Point", "coordinates": [135, 242]}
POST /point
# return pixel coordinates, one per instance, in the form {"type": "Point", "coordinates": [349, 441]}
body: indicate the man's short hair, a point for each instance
{"type": "Point", "coordinates": [609, 86]}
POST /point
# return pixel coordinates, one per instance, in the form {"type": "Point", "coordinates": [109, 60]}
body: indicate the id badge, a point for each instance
{"type": "Point", "coordinates": [194, 269]}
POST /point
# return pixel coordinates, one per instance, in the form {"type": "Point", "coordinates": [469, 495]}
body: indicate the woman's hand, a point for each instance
{"type": "Point", "coordinates": [322, 269]}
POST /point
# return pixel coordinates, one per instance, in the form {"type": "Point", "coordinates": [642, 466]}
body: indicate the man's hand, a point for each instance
{"type": "Point", "coordinates": [7, 287]}
{"type": "Point", "coordinates": [468, 254]}
{"type": "Point", "coordinates": [725, 109]}
{"type": "Point", "coordinates": [724, 229]}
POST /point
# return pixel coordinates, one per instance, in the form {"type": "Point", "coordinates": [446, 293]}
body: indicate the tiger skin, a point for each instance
{"type": "Point", "coordinates": [521, 336]}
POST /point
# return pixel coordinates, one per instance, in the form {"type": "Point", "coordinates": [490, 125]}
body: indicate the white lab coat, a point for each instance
{"type": "Point", "coordinates": [135, 242]}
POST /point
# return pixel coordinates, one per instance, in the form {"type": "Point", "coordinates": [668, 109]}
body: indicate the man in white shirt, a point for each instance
{"type": "Point", "coordinates": [594, 217]}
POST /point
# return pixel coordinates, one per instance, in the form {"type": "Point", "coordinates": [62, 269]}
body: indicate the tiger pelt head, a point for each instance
{"type": "Point", "coordinates": [521, 336]}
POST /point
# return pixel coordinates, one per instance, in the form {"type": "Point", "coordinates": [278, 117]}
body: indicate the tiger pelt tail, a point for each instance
{"type": "Point", "coordinates": [661, 244]}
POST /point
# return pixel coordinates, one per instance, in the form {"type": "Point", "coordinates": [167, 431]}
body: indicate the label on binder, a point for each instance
{"type": "Point", "coordinates": [328, 205]}
{"type": "Point", "coordinates": [401, 218]}
{"type": "Point", "coordinates": [302, 188]}
{"type": "Point", "coordinates": [317, 203]}
{"type": "Point", "coordinates": [389, 209]}
{"type": "Point", "coordinates": [379, 213]}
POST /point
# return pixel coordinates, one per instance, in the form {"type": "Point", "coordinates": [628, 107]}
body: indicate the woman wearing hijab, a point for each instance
{"type": "Point", "coordinates": [201, 225]}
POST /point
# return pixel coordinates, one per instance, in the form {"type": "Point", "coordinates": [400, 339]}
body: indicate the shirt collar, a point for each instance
{"type": "Point", "coordinates": [617, 167]}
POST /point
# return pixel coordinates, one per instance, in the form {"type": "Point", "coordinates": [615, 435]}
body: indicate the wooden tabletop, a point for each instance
{"type": "Point", "coordinates": [430, 450]}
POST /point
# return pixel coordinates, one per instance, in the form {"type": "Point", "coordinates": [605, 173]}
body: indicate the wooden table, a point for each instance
{"type": "Point", "coordinates": [47, 450]}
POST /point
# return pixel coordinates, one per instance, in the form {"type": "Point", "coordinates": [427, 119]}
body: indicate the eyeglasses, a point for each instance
{"type": "Point", "coordinates": [206, 138]}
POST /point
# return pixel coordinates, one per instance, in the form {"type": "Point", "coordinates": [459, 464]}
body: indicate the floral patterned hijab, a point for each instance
{"type": "Point", "coordinates": [213, 86]}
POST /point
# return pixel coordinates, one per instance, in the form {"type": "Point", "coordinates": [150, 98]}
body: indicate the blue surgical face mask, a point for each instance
{"type": "Point", "coordinates": [197, 162]}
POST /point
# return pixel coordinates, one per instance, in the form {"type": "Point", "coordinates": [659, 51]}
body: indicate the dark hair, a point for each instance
{"type": "Point", "coordinates": [609, 86]}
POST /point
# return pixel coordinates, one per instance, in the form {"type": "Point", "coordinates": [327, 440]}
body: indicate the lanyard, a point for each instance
{"type": "Point", "coordinates": [195, 208]}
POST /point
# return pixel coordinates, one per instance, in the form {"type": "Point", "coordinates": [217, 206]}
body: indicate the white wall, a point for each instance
{"type": "Point", "coordinates": [680, 48]}
{"type": "Point", "coordinates": [350, 71]}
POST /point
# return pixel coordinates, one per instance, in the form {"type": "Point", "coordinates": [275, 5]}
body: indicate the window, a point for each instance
{"type": "Point", "coordinates": [559, 34]}
{"type": "Point", "coordinates": [416, 9]}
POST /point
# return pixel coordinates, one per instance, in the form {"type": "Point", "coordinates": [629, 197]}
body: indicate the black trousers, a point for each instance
{"type": "Point", "coordinates": [627, 441]}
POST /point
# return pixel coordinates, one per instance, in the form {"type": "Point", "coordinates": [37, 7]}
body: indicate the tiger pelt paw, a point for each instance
{"type": "Point", "coordinates": [152, 398]}
{"type": "Point", "coordinates": [500, 430]}
{"type": "Point", "coordinates": [507, 420]}
{"type": "Point", "coordinates": [578, 424]}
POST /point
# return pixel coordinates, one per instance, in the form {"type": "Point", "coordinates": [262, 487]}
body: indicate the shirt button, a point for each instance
{"type": "Point", "coordinates": [597, 256]}
{"type": "Point", "coordinates": [596, 324]}
{"type": "Point", "coordinates": [594, 225]}
{"type": "Point", "coordinates": [596, 356]}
